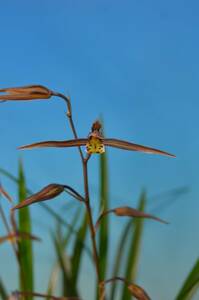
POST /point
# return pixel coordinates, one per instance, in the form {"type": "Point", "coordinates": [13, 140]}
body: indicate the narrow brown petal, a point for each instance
{"type": "Point", "coordinates": [29, 92]}
{"type": "Point", "coordinates": [138, 292]}
{"type": "Point", "coordinates": [12, 237]}
{"type": "Point", "coordinates": [59, 144]}
{"type": "Point", "coordinates": [126, 211]}
{"type": "Point", "coordinates": [133, 147]}
{"type": "Point", "coordinates": [48, 192]}
{"type": "Point", "coordinates": [5, 194]}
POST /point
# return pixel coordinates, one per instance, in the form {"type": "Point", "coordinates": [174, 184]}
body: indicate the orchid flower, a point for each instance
{"type": "Point", "coordinates": [95, 143]}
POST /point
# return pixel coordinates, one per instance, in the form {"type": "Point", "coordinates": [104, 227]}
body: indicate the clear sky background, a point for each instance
{"type": "Point", "coordinates": [135, 63]}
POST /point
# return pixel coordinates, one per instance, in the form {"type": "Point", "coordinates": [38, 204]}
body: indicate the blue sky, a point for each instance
{"type": "Point", "coordinates": [136, 64]}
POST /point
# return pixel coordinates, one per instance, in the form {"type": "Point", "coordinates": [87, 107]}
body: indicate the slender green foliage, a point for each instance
{"type": "Point", "coordinates": [134, 249]}
{"type": "Point", "coordinates": [104, 226]}
{"type": "Point", "coordinates": [25, 245]}
{"type": "Point", "coordinates": [68, 288]}
{"type": "Point", "coordinates": [78, 250]}
{"type": "Point", "coordinates": [3, 292]}
{"type": "Point", "coordinates": [190, 285]}
{"type": "Point", "coordinates": [120, 255]}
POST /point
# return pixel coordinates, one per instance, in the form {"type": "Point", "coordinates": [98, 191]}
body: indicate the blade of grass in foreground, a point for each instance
{"type": "Point", "coordinates": [191, 284]}
{"type": "Point", "coordinates": [53, 279]}
{"type": "Point", "coordinates": [3, 293]}
{"type": "Point", "coordinates": [25, 246]}
{"type": "Point", "coordinates": [134, 249]}
{"type": "Point", "coordinates": [119, 256]}
{"type": "Point", "coordinates": [104, 226]}
{"type": "Point", "coordinates": [78, 250]}
{"type": "Point", "coordinates": [68, 286]}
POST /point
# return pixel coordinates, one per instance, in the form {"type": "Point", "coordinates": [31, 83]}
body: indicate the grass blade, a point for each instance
{"type": "Point", "coordinates": [78, 250]}
{"type": "Point", "coordinates": [104, 226]}
{"type": "Point", "coordinates": [119, 255]}
{"type": "Point", "coordinates": [69, 289]}
{"type": "Point", "coordinates": [25, 246]}
{"type": "Point", "coordinates": [3, 293]}
{"type": "Point", "coordinates": [134, 249]}
{"type": "Point", "coordinates": [191, 284]}
{"type": "Point", "coordinates": [53, 279]}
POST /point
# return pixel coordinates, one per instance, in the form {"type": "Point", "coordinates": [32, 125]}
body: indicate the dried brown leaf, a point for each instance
{"type": "Point", "coordinates": [48, 192]}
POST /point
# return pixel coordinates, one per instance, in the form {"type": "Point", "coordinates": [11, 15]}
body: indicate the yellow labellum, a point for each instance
{"type": "Point", "coordinates": [95, 145]}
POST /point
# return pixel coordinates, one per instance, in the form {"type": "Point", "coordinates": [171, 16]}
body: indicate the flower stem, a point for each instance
{"type": "Point", "coordinates": [86, 197]}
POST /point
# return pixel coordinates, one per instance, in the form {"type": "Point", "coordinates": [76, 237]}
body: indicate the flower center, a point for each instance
{"type": "Point", "coordinates": [95, 145]}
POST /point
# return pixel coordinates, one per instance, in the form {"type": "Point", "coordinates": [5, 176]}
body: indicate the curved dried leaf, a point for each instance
{"type": "Point", "coordinates": [69, 143]}
{"type": "Point", "coordinates": [29, 92]}
{"type": "Point", "coordinates": [133, 147]}
{"type": "Point", "coordinates": [16, 236]}
{"type": "Point", "coordinates": [48, 192]}
{"type": "Point", "coordinates": [138, 292]}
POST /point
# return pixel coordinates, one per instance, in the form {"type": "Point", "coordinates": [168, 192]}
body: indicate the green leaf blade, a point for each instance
{"type": "Point", "coordinates": [25, 246]}
{"type": "Point", "coordinates": [104, 226]}
{"type": "Point", "coordinates": [3, 292]}
{"type": "Point", "coordinates": [134, 248]}
{"type": "Point", "coordinates": [191, 284]}
{"type": "Point", "coordinates": [78, 249]}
